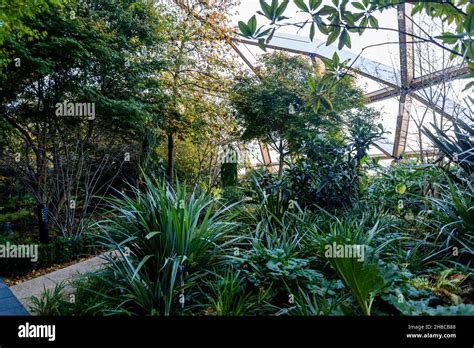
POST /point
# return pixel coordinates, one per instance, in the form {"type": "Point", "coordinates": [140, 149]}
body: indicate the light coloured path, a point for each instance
{"type": "Point", "coordinates": [35, 287]}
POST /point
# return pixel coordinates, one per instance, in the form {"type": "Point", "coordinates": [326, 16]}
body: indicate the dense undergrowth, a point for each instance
{"type": "Point", "coordinates": [176, 251]}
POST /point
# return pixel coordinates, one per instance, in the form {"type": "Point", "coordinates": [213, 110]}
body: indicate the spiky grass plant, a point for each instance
{"type": "Point", "coordinates": [161, 242]}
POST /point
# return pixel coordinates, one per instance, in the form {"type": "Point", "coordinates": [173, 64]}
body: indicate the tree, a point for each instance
{"type": "Point", "coordinates": [266, 104]}
{"type": "Point", "coordinates": [197, 70]}
{"type": "Point", "coordinates": [91, 56]}
{"type": "Point", "coordinates": [287, 101]}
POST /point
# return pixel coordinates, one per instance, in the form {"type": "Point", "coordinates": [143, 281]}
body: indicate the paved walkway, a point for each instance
{"type": "Point", "coordinates": [9, 305]}
{"type": "Point", "coordinates": [35, 287]}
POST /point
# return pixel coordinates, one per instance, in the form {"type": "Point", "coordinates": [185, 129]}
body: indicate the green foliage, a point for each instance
{"type": "Point", "coordinates": [362, 272]}
{"type": "Point", "coordinates": [402, 187]}
{"type": "Point", "coordinates": [229, 296]}
{"type": "Point", "coordinates": [331, 173]}
{"type": "Point", "coordinates": [458, 147]}
{"type": "Point", "coordinates": [165, 240]}
{"type": "Point", "coordinates": [228, 174]}
{"type": "Point", "coordinates": [21, 214]}
{"type": "Point", "coordinates": [275, 260]}
{"type": "Point", "coordinates": [453, 215]}
{"type": "Point", "coordinates": [437, 293]}
{"type": "Point", "coordinates": [14, 23]}
{"type": "Point", "coordinates": [327, 177]}
{"type": "Point", "coordinates": [233, 194]}
{"type": "Point", "coordinates": [50, 303]}
{"type": "Point", "coordinates": [272, 198]}
{"type": "Point", "coordinates": [262, 103]}
{"type": "Point", "coordinates": [59, 250]}
{"type": "Point", "coordinates": [324, 300]}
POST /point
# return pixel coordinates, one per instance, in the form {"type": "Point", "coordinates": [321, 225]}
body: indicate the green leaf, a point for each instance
{"type": "Point", "coordinates": [374, 23]}
{"type": "Point", "coordinates": [252, 24]}
{"type": "Point", "coordinates": [311, 32]}
{"type": "Point", "coordinates": [266, 9]}
{"type": "Point", "coordinates": [312, 83]}
{"type": "Point", "coordinates": [263, 33]}
{"type": "Point", "coordinates": [326, 10]}
{"type": "Point", "coordinates": [335, 59]}
{"type": "Point", "coordinates": [274, 8]}
{"type": "Point", "coordinates": [333, 36]}
{"type": "Point", "coordinates": [314, 4]}
{"type": "Point", "coordinates": [349, 18]}
{"type": "Point", "coordinates": [270, 37]}
{"type": "Point", "coordinates": [326, 102]}
{"type": "Point", "coordinates": [322, 28]}
{"type": "Point", "coordinates": [244, 29]}
{"type": "Point", "coordinates": [468, 86]}
{"type": "Point", "coordinates": [261, 44]}
{"type": "Point", "coordinates": [468, 23]}
{"type": "Point", "coordinates": [348, 41]}
{"type": "Point", "coordinates": [282, 8]}
{"type": "Point", "coordinates": [151, 234]}
{"type": "Point", "coordinates": [342, 39]}
{"type": "Point", "coordinates": [362, 279]}
{"type": "Point", "coordinates": [301, 4]}
{"type": "Point", "coordinates": [358, 6]}
{"type": "Point", "coordinates": [449, 38]}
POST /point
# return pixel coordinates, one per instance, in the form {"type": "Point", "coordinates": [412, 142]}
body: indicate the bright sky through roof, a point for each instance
{"type": "Point", "coordinates": [386, 54]}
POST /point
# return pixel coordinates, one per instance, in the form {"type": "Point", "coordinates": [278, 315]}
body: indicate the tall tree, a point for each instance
{"type": "Point", "coordinates": [196, 76]}
{"type": "Point", "coordinates": [92, 54]}
{"type": "Point", "coordinates": [285, 102]}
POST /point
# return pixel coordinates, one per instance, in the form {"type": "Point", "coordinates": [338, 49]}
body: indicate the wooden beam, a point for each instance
{"type": "Point", "coordinates": [407, 68]}
{"type": "Point", "coordinates": [382, 94]}
{"type": "Point", "coordinates": [403, 118]}
{"type": "Point", "coordinates": [418, 83]}
{"type": "Point", "coordinates": [447, 74]}
{"type": "Point", "coordinates": [265, 154]}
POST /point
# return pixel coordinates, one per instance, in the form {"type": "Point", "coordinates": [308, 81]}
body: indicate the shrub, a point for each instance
{"type": "Point", "coordinates": [166, 241]}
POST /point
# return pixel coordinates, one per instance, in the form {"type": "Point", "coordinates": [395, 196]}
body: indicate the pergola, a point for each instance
{"type": "Point", "coordinates": [406, 87]}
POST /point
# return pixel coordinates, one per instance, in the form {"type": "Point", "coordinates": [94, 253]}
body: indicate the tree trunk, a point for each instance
{"type": "Point", "coordinates": [170, 169]}
{"type": "Point", "coordinates": [42, 215]}
{"type": "Point", "coordinates": [281, 160]}
{"type": "Point", "coordinates": [280, 165]}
